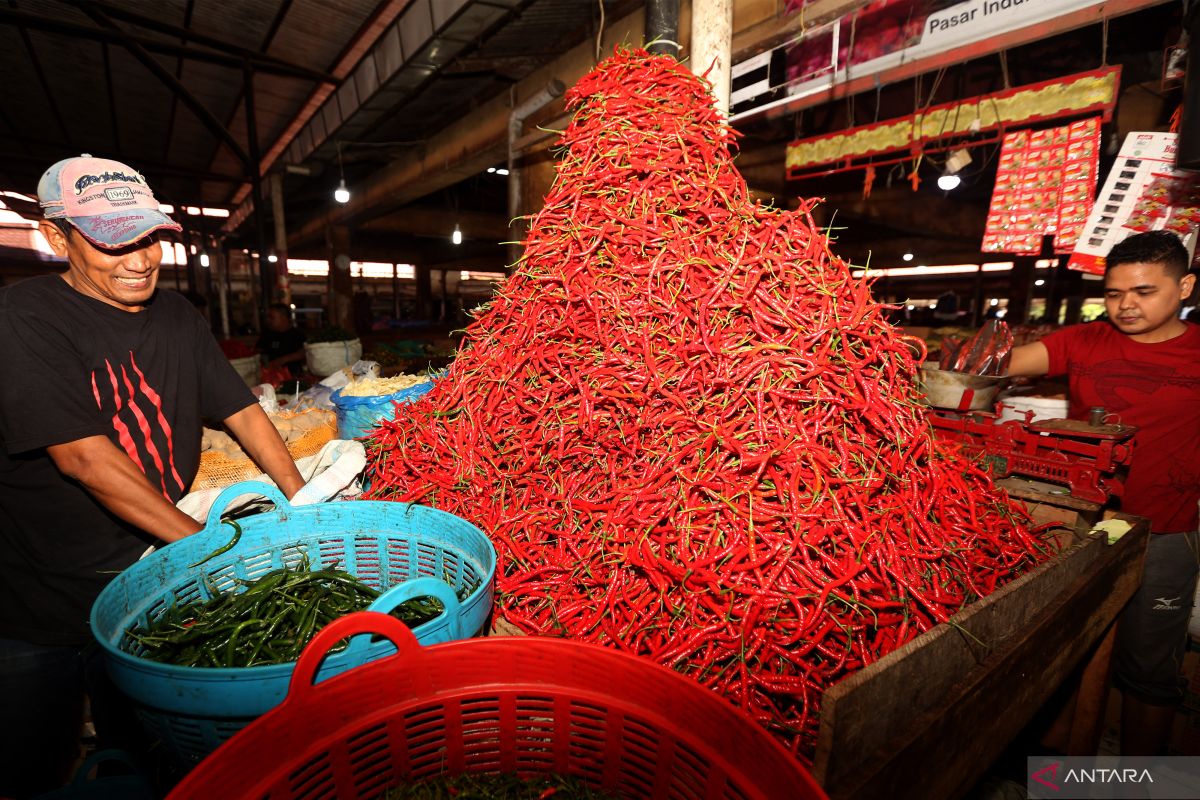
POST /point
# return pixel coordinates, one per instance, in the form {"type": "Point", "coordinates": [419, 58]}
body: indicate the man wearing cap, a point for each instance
{"type": "Point", "coordinates": [103, 385]}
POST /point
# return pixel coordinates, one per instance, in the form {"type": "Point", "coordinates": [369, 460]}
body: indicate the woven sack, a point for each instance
{"type": "Point", "coordinates": [218, 469]}
{"type": "Point", "coordinates": [325, 358]}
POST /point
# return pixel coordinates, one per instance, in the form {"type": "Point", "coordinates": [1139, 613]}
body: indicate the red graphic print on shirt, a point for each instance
{"type": "Point", "coordinates": [150, 422]}
{"type": "Point", "coordinates": [1121, 383]}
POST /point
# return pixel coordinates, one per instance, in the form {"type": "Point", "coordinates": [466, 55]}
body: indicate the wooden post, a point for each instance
{"type": "Point", "coordinates": [712, 46]}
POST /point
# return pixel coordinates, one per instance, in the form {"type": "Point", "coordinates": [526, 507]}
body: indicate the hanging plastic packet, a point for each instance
{"type": "Point", "coordinates": [988, 352]}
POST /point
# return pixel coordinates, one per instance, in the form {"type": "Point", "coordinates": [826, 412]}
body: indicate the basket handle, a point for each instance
{"type": "Point", "coordinates": [341, 628]}
{"type": "Point", "coordinates": [98, 758]}
{"type": "Point", "coordinates": [391, 599]}
{"type": "Point", "coordinates": [229, 493]}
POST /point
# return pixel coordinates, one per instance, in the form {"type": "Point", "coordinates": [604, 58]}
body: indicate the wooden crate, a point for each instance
{"type": "Point", "coordinates": [927, 720]}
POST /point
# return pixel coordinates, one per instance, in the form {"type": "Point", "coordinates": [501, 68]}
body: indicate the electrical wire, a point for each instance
{"type": "Point", "coordinates": [600, 31]}
{"type": "Point", "coordinates": [1104, 44]}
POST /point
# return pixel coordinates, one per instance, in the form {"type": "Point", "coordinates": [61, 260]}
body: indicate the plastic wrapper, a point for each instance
{"type": "Point", "coordinates": [988, 352]}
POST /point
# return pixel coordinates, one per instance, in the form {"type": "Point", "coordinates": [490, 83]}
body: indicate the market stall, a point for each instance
{"type": "Point", "coordinates": [690, 435]}
{"type": "Point", "coordinates": [730, 486]}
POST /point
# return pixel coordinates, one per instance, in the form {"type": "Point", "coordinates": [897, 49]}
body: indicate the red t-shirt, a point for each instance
{"type": "Point", "coordinates": [1155, 387]}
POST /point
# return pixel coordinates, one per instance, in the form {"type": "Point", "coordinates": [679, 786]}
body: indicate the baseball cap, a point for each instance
{"type": "Point", "coordinates": [106, 201]}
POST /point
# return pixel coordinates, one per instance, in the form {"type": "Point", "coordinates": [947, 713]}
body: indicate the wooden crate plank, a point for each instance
{"type": "Point", "coordinates": [876, 721]}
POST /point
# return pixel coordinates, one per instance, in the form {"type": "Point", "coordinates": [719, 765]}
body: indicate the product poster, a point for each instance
{"type": "Point", "coordinates": [1144, 192]}
{"type": "Point", "coordinates": [1044, 186]}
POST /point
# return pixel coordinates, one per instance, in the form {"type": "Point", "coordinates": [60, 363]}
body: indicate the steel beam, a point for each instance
{"type": "Point", "coordinates": [262, 61]}
{"type": "Point", "coordinates": [142, 165]}
{"type": "Point", "coordinates": [116, 36]}
{"type": "Point", "coordinates": [187, 23]}
{"type": "Point", "coordinates": [466, 148]}
{"type": "Point", "coordinates": [41, 76]}
{"type": "Point", "coordinates": [203, 114]}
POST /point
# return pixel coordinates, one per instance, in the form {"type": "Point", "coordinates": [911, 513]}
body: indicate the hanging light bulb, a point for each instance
{"type": "Point", "coordinates": [456, 237]}
{"type": "Point", "coordinates": [907, 256]}
{"type": "Point", "coordinates": [948, 182]}
{"type": "Point", "coordinates": [204, 260]}
{"type": "Point", "coordinates": [272, 258]}
{"type": "Point", "coordinates": [341, 194]}
{"type": "Point", "coordinates": [954, 164]}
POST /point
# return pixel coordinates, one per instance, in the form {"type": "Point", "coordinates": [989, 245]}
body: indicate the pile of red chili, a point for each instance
{"type": "Point", "coordinates": [690, 432]}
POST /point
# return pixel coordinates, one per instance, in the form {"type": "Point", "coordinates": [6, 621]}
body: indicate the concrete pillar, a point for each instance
{"type": "Point", "coordinates": [1076, 291]}
{"type": "Point", "coordinates": [978, 302]}
{"type": "Point", "coordinates": [281, 273]}
{"type": "Point", "coordinates": [1056, 284]}
{"type": "Point", "coordinates": [220, 266]}
{"type": "Point", "coordinates": [712, 46]}
{"type": "Point", "coordinates": [340, 295]}
{"type": "Point", "coordinates": [424, 304]}
{"type": "Point", "coordinates": [1022, 290]}
{"type": "Point", "coordinates": [1189, 129]}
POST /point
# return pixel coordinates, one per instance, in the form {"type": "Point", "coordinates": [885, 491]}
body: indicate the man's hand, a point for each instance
{"type": "Point", "coordinates": [261, 440]}
{"type": "Point", "coordinates": [119, 485]}
{"type": "Point", "coordinates": [1029, 361]}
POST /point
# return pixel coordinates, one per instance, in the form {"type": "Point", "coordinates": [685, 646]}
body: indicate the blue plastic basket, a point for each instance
{"type": "Point", "coordinates": [401, 549]}
{"type": "Point", "coordinates": [356, 416]}
{"type": "Point", "coordinates": [131, 785]}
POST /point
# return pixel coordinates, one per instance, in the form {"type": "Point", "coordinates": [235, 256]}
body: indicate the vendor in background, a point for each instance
{"type": "Point", "coordinates": [1142, 366]}
{"type": "Point", "coordinates": [103, 384]}
{"type": "Point", "coordinates": [281, 343]}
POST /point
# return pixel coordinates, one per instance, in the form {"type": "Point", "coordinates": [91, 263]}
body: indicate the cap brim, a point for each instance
{"type": "Point", "coordinates": [122, 228]}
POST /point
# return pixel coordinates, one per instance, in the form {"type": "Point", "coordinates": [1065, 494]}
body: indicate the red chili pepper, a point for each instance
{"type": "Point", "coordinates": [689, 430]}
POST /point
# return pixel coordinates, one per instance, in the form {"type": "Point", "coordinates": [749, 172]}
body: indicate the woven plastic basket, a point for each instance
{"type": "Point", "coordinates": [404, 550]}
{"type": "Point", "coordinates": [526, 705]}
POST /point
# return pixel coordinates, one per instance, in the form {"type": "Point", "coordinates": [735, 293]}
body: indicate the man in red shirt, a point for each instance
{"type": "Point", "coordinates": [1143, 367]}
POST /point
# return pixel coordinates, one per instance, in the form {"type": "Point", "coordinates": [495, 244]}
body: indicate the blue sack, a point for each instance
{"type": "Point", "coordinates": [356, 416]}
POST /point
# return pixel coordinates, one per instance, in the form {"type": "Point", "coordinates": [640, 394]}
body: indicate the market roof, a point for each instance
{"type": "Point", "coordinates": [161, 84]}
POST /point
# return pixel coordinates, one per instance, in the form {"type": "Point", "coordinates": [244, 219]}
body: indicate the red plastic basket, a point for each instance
{"type": "Point", "coordinates": [525, 705]}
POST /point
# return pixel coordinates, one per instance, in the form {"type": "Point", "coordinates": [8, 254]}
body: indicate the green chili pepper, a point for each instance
{"type": "Point", "coordinates": [268, 620]}
{"type": "Point", "coordinates": [237, 535]}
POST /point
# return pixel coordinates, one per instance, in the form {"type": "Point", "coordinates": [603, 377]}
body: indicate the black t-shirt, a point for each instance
{"type": "Point", "coordinates": [71, 367]}
{"type": "Point", "coordinates": [273, 344]}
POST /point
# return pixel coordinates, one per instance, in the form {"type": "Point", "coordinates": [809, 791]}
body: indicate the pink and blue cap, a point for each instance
{"type": "Point", "coordinates": [106, 201]}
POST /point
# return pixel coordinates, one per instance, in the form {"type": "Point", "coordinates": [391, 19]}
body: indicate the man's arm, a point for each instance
{"type": "Point", "coordinates": [1029, 361]}
{"type": "Point", "coordinates": [258, 437]}
{"type": "Point", "coordinates": [119, 485]}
